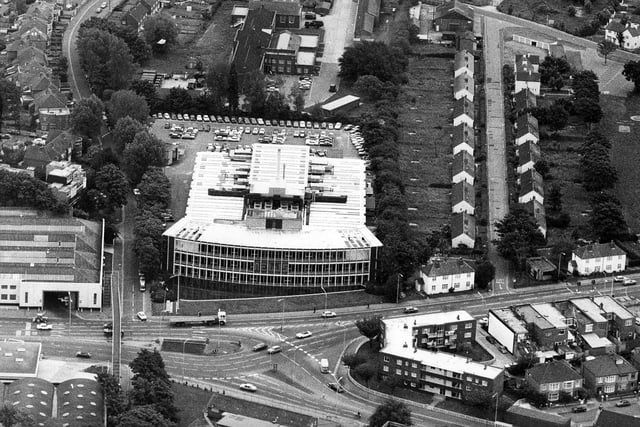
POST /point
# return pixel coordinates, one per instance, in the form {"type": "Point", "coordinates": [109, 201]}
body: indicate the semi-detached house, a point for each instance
{"type": "Point", "coordinates": [609, 374]}
{"type": "Point", "coordinates": [446, 275]}
{"type": "Point", "coordinates": [597, 257]}
{"type": "Point", "coordinates": [553, 378]}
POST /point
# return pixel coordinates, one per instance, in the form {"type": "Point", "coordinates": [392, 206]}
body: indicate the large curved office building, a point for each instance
{"type": "Point", "coordinates": [272, 220]}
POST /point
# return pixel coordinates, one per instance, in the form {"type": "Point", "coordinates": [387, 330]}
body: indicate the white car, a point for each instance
{"type": "Point", "coordinates": [305, 334]}
{"type": "Point", "coordinates": [248, 387]}
{"type": "Point", "coordinates": [619, 279]}
{"type": "Point", "coordinates": [44, 326]}
{"type": "Point", "coordinates": [103, 5]}
{"type": "Point", "coordinates": [327, 314]}
{"type": "Point", "coordinates": [136, 192]}
{"type": "Point", "coordinates": [142, 316]}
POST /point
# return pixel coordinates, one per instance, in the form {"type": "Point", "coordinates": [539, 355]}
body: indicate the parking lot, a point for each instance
{"type": "Point", "coordinates": [179, 173]}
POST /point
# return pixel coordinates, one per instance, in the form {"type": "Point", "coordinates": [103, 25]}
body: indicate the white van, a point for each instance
{"type": "Point", "coordinates": [324, 366]}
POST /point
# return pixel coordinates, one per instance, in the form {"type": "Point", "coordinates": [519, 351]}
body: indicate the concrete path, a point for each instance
{"type": "Point", "coordinates": [498, 191]}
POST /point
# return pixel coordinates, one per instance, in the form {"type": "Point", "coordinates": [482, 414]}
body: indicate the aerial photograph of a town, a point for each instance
{"type": "Point", "coordinates": [319, 213]}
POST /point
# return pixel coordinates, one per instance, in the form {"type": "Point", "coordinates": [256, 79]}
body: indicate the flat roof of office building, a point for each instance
{"type": "Point", "coordinates": [397, 323]}
{"type": "Point", "coordinates": [589, 309]}
{"type": "Point", "coordinates": [610, 305]}
{"type": "Point", "coordinates": [509, 318]}
{"type": "Point", "coordinates": [551, 313]}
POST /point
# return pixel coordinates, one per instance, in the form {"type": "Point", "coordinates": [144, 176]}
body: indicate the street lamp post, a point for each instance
{"type": "Point", "coordinates": [398, 288]}
{"type": "Point", "coordinates": [178, 296]}
{"type": "Point", "coordinates": [560, 255]}
{"type": "Point", "coordinates": [184, 343]}
{"type": "Point", "coordinates": [69, 298]}
{"type": "Point", "coordinates": [495, 416]}
{"type": "Point", "coordinates": [282, 323]}
{"type": "Point", "coordinates": [325, 297]}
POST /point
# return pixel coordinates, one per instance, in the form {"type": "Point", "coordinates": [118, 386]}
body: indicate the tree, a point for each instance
{"type": "Point", "coordinates": [22, 190]}
{"type": "Point", "coordinates": [143, 416]}
{"type": "Point", "coordinates": [11, 416]}
{"type": "Point", "coordinates": [126, 103]}
{"type": "Point", "coordinates": [542, 168]}
{"type": "Point", "coordinates": [155, 189]}
{"type": "Point", "coordinates": [620, 38]}
{"type": "Point", "coordinates": [391, 410]}
{"type": "Point", "coordinates": [606, 219]}
{"type": "Point", "coordinates": [145, 150]}
{"type": "Point", "coordinates": [518, 236]}
{"type": "Point", "coordinates": [485, 273]}
{"type": "Point", "coordinates": [352, 360]}
{"type": "Point", "coordinates": [605, 48]}
{"type": "Point", "coordinates": [125, 131]}
{"type": "Point", "coordinates": [106, 60]}
{"type": "Point", "coordinates": [147, 90]}
{"type": "Point", "coordinates": [156, 393]}
{"type": "Point", "coordinates": [115, 400]}
{"type": "Point", "coordinates": [372, 58]}
{"type": "Point", "coordinates": [588, 109]}
{"type": "Point", "coordinates": [160, 32]}
{"type": "Point", "coordinates": [366, 371]}
{"type": "Point", "coordinates": [86, 118]}
{"type": "Point", "coordinates": [149, 365]}
{"type": "Point", "coordinates": [147, 225]}
{"type": "Point", "coordinates": [631, 72]}
{"type": "Point", "coordinates": [369, 327]}
{"type": "Point", "coordinates": [297, 98]}
{"type": "Point", "coordinates": [255, 93]}
{"type": "Point", "coordinates": [112, 182]}
{"type": "Point", "coordinates": [558, 117]}
{"type": "Point", "coordinates": [554, 198]}
{"type": "Point", "coordinates": [565, 398]}
{"type": "Point", "coordinates": [148, 253]}
{"type": "Point", "coordinates": [552, 66]}
{"type": "Point", "coordinates": [369, 86]}
{"type": "Point", "coordinates": [233, 94]}
{"type": "Point", "coordinates": [217, 81]}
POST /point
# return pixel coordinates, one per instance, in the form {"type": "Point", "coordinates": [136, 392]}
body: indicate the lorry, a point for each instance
{"type": "Point", "coordinates": [199, 320]}
{"type": "Point", "coordinates": [324, 366]}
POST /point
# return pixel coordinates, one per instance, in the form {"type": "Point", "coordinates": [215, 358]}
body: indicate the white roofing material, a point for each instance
{"type": "Point", "coordinates": [609, 305]}
{"type": "Point", "coordinates": [441, 318]}
{"type": "Point", "coordinates": [340, 102]}
{"type": "Point", "coordinates": [239, 235]}
{"type": "Point", "coordinates": [589, 309]}
{"type": "Point", "coordinates": [308, 41]}
{"type": "Point", "coordinates": [282, 166]}
{"type": "Point", "coordinates": [306, 58]}
{"type": "Point", "coordinates": [551, 313]}
{"type": "Point", "coordinates": [594, 341]}
{"type": "Point", "coordinates": [283, 40]}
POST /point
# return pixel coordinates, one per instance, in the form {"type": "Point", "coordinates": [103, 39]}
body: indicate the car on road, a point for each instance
{"type": "Point", "coordinates": [409, 310]}
{"type": "Point", "coordinates": [103, 5]}
{"type": "Point", "coordinates": [619, 279]}
{"type": "Point", "coordinates": [305, 334]}
{"type": "Point", "coordinates": [628, 282]}
{"type": "Point", "coordinates": [44, 326]}
{"type": "Point", "coordinates": [314, 24]}
{"type": "Point", "coordinates": [491, 340]}
{"type": "Point", "coordinates": [578, 409]}
{"type": "Point", "coordinates": [99, 9]}
{"type": "Point", "coordinates": [637, 321]}
{"type": "Point", "coordinates": [274, 349]}
{"type": "Point", "coordinates": [336, 387]}
{"type": "Point", "coordinates": [142, 316]}
{"type": "Point", "coordinates": [40, 318]}
{"type": "Point", "coordinates": [136, 192]}
{"type": "Point", "coordinates": [327, 314]}
{"type": "Point", "coordinates": [248, 387]}
{"type": "Point", "coordinates": [83, 355]}
{"type": "Point", "coordinates": [259, 347]}
{"type": "Point", "coordinates": [622, 403]}
{"type": "Point", "coordinates": [502, 348]}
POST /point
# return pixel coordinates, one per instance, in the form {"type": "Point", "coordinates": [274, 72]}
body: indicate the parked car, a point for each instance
{"type": "Point", "coordinates": [44, 326]}
{"type": "Point", "coordinates": [628, 282]}
{"type": "Point", "coordinates": [142, 316]}
{"type": "Point", "coordinates": [327, 314]}
{"type": "Point", "coordinates": [409, 310]}
{"type": "Point", "coordinates": [619, 279]}
{"type": "Point", "coordinates": [491, 340]}
{"type": "Point", "coordinates": [83, 355]}
{"type": "Point", "coordinates": [622, 403]}
{"type": "Point", "coordinates": [260, 346]}
{"type": "Point", "coordinates": [314, 24]}
{"type": "Point", "coordinates": [336, 387]}
{"type": "Point", "coordinates": [578, 409]}
{"type": "Point", "coordinates": [248, 387]}
{"type": "Point", "coordinates": [274, 349]}
{"type": "Point", "coordinates": [305, 334]}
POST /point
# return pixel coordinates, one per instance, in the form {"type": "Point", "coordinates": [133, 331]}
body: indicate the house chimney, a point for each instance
{"type": "Point", "coordinates": [405, 326]}
{"type": "Point", "coordinates": [405, 345]}
{"type": "Point", "coordinates": [458, 317]}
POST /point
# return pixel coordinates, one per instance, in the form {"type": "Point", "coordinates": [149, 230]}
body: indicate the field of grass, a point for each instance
{"type": "Point", "coordinates": [214, 45]}
{"type": "Point", "coordinates": [425, 145]}
{"type": "Point", "coordinates": [557, 10]}
{"type": "Point", "coordinates": [191, 401]}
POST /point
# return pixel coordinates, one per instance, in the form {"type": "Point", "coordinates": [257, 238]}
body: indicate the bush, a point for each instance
{"type": "Point", "coordinates": [571, 11]}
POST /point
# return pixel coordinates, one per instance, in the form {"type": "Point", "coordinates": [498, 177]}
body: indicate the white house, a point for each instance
{"type": "Point", "coordinates": [597, 257]}
{"type": "Point", "coordinates": [531, 187]}
{"type": "Point", "coordinates": [527, 73]}
{"type": "Point", "coordinates": [463, 168]}
{"type": "Point", "coordinates": [463, 63]}
{"type": "Point", "coordinates": [528, 154]}
{"type": "Point", "coordinates": [463, 230]}
{"type": "Point", "coordinates": [630, 31]}
{"type": "Point", "coordinates": [464, 87]}
{"type": "Point", "coordinates": [526, 129]}
{"type": "Point", "coordinates": [441, 275]}
{"type": "Point", "coordinates": [463, 112]}
{"type": "Point", "coordinates": [463, 139]}
{"type": "Point", "coordinates": [463, 198]}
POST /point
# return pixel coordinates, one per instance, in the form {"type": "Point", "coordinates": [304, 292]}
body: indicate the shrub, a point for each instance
{"type": "Point", "coordinates": [571, 11]}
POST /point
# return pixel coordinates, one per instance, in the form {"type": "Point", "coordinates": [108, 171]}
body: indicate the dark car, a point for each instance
{"type": "Point", "coordinates": [314, 24]}
{"type": "Point", "coordinates": [336, 387]}
{"type": "Point", "coordinates": [259, 347]}
{"type": "Point", "coordinates": [579, 409]}
{"type": "Point", "coordinates": [409, 310]}
{"type": "Point", "coordinates": [83, 355]}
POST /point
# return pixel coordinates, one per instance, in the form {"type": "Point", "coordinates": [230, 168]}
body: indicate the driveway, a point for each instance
{"type": "Point", "coordinates": [338, 34]}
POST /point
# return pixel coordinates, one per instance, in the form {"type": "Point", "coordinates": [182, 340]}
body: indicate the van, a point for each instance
{"type": "Point", "coordinates": [324, 366]}
{"type": "Point", "coordinates": [309, 15]}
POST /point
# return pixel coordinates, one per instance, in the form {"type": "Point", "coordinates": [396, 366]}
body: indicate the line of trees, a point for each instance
{"type": "Point", "coordinates": [149, 403]}
{"type": "Point", "coordinates": [21, 190]}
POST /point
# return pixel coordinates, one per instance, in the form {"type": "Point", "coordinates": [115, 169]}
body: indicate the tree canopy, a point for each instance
{"type": "Point", "coordinates": [145, 150]}
{"type": "Point", "coordinates": [126, 103]}
{"type": "Point", "coordinates": [518, 236]}
{"type": "Point", "coordinates": [155, 189]}
{"type": "Point", "coordinates": [21, 190]}
{"type": "Point", "coordinates": [606, 47]}
{"type": "Point", "coordinates": [112, 182]}
{"type": "Point", "coordinates": [125, 131]}
{"type": "Point", "coordinates": [369, 327]}
{"type": "Point", "coordinates": [607, 220]}
{"type": "Point", "coordinates": [86, 118]}
{"type": "Point", "coordinates": [160, 27]}
{"type": "Point", "coordinates": [372, 58]}
{"type": "Point", "coordinates": [115, 400]}
{"type": "Point", "coordinates": [631, 72]}
{"type": "Point", "coordinates": [391, 410]}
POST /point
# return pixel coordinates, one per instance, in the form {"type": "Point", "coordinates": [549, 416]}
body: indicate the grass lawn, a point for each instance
{"type": "Point", "coordinates": [191, 401]}
{"type": "Point", "coordinates": [271, 304]}
{"type": "Point", "coordinates": [556, 10]}
{"type": "Point", "coordinates": [460, 407]}
{"type": "Point", "coordinates": [281, 376]}
{"type": "Point", "coordinates": [425, 145]}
